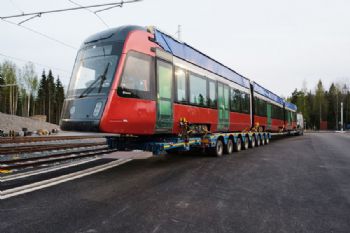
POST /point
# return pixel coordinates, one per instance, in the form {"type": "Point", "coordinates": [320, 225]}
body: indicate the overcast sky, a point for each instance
{"type": "Point", "coordinates": [278, 43]}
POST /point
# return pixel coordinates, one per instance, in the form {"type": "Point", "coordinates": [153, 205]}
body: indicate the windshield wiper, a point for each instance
{"type": "Point", "coordinates": [103, 78]}
{"type": "Point", "coordinates": [91, 86]}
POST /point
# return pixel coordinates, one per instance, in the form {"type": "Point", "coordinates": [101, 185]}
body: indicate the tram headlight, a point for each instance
{"type": "Point", "coordinates": [97, 109]}
{"type": "Point", "coordinates": [72, 110]}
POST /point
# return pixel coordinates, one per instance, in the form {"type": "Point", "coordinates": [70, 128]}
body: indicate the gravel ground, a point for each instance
{"type": "Point", "coordinates": [10, 122]}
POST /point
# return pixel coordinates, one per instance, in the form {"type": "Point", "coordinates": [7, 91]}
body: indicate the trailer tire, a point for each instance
{"type": "Point", "coordinates": [252, 142]}
{"type": "Point", "coordinates": [246, 143]}
{"type": "Point", "coordinates": [238, 145]}
{"type": "Point", "coordinates": [257, 140]}
{"type": "Point", "coordinates": [262, 140]}
{"type": "Point", "coordinates": [218, 150]}
{"type": "Point", "coordinates": [229, 146]}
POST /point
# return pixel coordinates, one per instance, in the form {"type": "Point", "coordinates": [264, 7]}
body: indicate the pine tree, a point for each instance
{"type": "Point", "coordinates": [59, 98]}
{"type": "Point", "coordinates": [50, 97]}
{"type": "Point", "coordinates": [41, 104]}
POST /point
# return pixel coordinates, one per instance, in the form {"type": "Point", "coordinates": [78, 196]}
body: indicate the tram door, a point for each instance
{"type": "Point", "coordinates": [223, 107]}
{"type": "Point", "coordinates": [164, 123]}
{"type": "Point", "coordinates": [269, 117]}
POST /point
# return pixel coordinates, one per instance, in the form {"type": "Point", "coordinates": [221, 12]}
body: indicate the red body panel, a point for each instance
{"type": "Point", "coordinates": [276, 124]}
{"type": "Point", "coordinates": [129, 115]}
{"type": "Point", "coordinates": [239, 121]}
{"type": "Point", "coordinates": [195, 115]}
{"type": "Point", "coordinates": [261, 121]}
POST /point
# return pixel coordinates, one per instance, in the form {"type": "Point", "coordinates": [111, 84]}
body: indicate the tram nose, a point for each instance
{"type": "Point", "coordinates": [82, 113]}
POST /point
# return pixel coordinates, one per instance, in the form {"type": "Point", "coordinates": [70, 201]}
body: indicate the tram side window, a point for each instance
{"type": "Point", "coordinates": [256, 106]}
{"type": "Point", "coordinates": [180, 77]}
{"type": "Point", "coordinates": [235, 100]}
{"type": "Point", "coordinates": [245, 103]}
{"type": "Point", "coordinates": [198, 90]}
{"type": "Point", "coordinates": [260, 107]}
{"type": "Point", "coordinates": [136, 81]}
{"type": "Point", "coordinates": [212, 94]}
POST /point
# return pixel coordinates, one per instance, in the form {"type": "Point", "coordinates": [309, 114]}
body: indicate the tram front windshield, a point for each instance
{"type": "Point", "coordinates": [93, 71]}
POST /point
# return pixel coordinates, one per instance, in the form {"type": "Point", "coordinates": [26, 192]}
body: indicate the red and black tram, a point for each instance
{"type": "Point", "coordinates": [133, 80]}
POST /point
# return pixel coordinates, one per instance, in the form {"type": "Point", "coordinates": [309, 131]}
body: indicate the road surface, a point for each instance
{"type": "Point", "coordinates": [296, 184]}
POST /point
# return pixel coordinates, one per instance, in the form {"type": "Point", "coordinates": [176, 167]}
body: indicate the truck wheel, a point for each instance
{"type": "Point", "coordinates": [252, 143]}
{"type": "Point", "coordinates": [238, 145]}
{"type": "Point", "coordinates": [219, 148]}
{"type": "Point", "coordinates": [246, 143]}
{"type": "Point", "coordinates": [229, 146]}
{"type": "Point", "coordinates": [257, 142]}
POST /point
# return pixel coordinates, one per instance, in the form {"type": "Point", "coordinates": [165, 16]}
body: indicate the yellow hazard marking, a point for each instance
{"type": "Point", "coordinates": [5, 171]}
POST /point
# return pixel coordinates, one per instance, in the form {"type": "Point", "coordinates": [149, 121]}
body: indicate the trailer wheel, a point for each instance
{"type": "Point", "coordinates": [229, 146]}
{"type": "Point", "coordinates": [218, 150]}
{"type": "Point", "coordinates": [262, 140]}
{"type": "Point", "coordinates": [238, 145]}
{"type": "Point", "coordinates": [257, 142]}
{"type": "Point", "coordinates": [252, 142]}
{"type": "Point", "coordinates": [246, 143]}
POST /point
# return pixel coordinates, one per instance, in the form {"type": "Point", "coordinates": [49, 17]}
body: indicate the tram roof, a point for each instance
{"type": "Point", "coordinates": [264, 92]}
{"type": "Point", "coordinates": [190, 54]}
{"type": "Point", "coordinates": [290, 106]}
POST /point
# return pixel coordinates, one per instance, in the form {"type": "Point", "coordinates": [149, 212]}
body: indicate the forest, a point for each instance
{"type": "Point", "coordinates": [23, 93]}
{"type": "Point", "coordinates": [322, 106]}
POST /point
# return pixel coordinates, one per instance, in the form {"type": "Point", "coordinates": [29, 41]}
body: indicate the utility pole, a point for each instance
{"type": "Point", "coordinates": [341, 116]}
{"type": "Point", "coordinates": [179, 32]}
{"type": "Point", "coordinates": [336, 115]}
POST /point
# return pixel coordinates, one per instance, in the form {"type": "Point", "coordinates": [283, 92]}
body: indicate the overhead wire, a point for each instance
{"type": "Point", "coordinates": [41, 34]}
{"type": "Point", "coordinates": [113, 4]}
{"type": "Point", "coordinates": [99, 17]}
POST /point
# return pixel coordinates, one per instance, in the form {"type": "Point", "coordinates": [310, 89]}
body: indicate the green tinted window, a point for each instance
{"type": "Point", "coordinates": [198, 90]}
{"type": "Point", "coordinates": [180, 77]}
{"type": "Point", "coordinates": [212, 94]}
{"type": "Point", "coordinates": [165, 72]}
{"type": "Point", "coordinates": [235, 100]}
{"type": "Point", "coordinates": [245, 103]}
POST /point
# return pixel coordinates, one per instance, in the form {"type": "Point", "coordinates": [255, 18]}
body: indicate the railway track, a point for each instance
{"type": "Point", "coordinates": [53, 158]}
{"type": "Point", "coordinates": [36, 148]}
{"type": "Point", "coordinates": [10, 140]}
{"type": "Point", "coordinates": [18, 154]}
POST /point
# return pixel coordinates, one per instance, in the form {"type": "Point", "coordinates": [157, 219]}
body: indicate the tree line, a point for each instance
{"type": "Point", "coordinates": [22, 93]}
{"type": "Point", "coordinates": [322, 107]}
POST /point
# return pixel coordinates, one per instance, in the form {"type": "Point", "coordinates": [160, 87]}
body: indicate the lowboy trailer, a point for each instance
{"type": "Point", "coordinates": [213, 143]}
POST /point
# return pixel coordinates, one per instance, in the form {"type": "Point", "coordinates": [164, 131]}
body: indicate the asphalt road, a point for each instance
{"type": "Point", "coordinates": [296, 184]}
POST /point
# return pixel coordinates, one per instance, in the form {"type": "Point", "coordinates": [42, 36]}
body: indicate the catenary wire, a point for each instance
{"type": "Point", "coordinates": [100, 18]}
{"type": "Point", "coordinates": [121, 3]}
{"type": "Point", "coordinates": [41, 34]}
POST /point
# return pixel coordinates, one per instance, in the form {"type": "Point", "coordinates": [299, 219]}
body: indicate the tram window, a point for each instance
{"type": "Point", "coordinates": [180, 77]}
{"type": "Point", "coordinates": [198, 90]}
{"type": "Point", "coordinates": [212, 94]}
{"type": "Point", "coordinates": [245, 102]}
{"type": "Point", "coordinates": [256, 106]}
{"type": "Point", "coordinates": [260, 107]}
{"type": "Point", "coordinates": [235, 100]}
{"type": "Point", "coordinates": [136, 81]}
